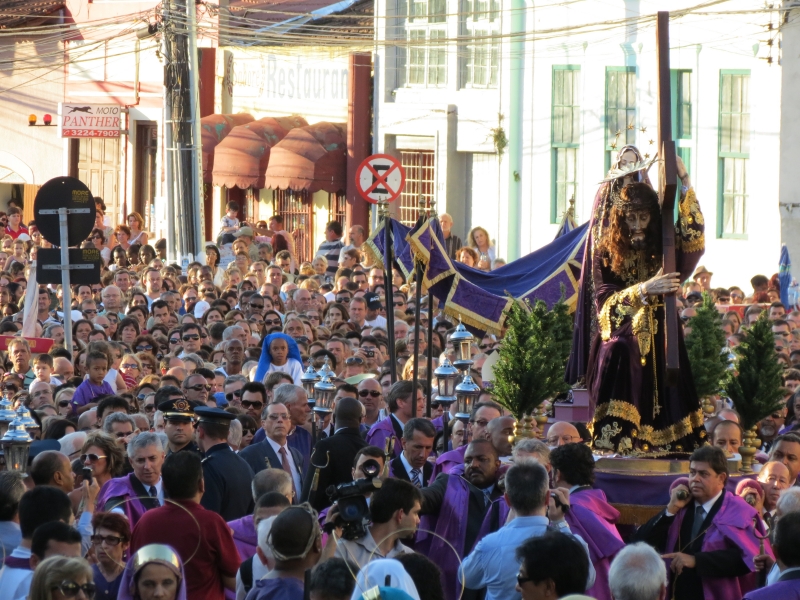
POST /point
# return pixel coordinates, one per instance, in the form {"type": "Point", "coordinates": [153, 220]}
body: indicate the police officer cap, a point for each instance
{"type": "Point", "coordinates": [179, 408]}
{"type": "Point", "coordinates": [214, 415]}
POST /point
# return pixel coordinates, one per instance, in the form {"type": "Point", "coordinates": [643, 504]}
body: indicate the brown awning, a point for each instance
{"type": "Point", "coordinates": [240, 160]}
{"type": "Point", "coordinates": [310, 158]}
{"type": "Point", "coordinates": [213, 130]}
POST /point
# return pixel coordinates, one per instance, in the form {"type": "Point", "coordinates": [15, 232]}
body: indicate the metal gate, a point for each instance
{"type": "Point", "coordinates": [420, 181]}
{"type": "Point", "coordinates": [298, 216]}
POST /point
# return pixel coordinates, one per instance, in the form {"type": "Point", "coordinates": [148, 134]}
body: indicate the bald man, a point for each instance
{"type": "Point", "coordinates": [562, 433]}
{"type": "Point", "coordinates": [728, 436]}
{"type": "Point", "coordinates": [501, 434]}
{"type": "Point", "coordinates": [774, 477]}
{"type": "Point", "coordinates": [53, 468]}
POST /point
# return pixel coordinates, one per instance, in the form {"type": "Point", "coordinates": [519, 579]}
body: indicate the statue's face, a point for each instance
{"type": "Point", "coordinates": [628, 158]}
{"type": "Point", "coordinates": [637, 221]}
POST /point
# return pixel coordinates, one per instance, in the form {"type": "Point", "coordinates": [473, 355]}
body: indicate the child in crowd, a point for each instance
{"type": "Point", "coordinates": [280, 353]}
{"type": "Point", "coordinates": [43, 369]}
{"type": "Point", "coordinates": [230, 222]}
{"type": "Point", "coordinates": [94, 386]}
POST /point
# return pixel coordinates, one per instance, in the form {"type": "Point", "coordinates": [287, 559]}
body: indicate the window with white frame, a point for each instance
{"type": "Point", "coordinates": [426, 43]}
{"type": "Point", "coordinates": [565, 137]}
{"type": "Point", "coordinates": [734, 152]}
{"type": "Point", "coordinates": [480, 28]}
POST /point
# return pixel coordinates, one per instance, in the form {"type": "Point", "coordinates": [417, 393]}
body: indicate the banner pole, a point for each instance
{"type": "Point", "coordinates": [383, 211]}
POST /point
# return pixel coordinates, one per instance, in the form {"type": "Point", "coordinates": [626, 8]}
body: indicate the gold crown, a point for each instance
{"type": "Point", "coordinates": [156, 552]}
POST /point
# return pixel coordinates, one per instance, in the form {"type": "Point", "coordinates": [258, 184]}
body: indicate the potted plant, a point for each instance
{"type": "Point", "coordinates": [756, 386]}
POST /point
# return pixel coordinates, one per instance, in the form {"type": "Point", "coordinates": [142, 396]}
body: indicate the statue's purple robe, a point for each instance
{"type": "Point", "coordinates": [450, 524]}
{"type": "Point", "coordinates": [244, 536]}
{"type": "Point", "coordinates": [382, 431]}
{"type": "Point", "coordinates": [594, 519]}
{"type": "Point", "coordinates": [732, 527]}
{"type": "Point", "coordinates": [447, 461]}
{"type": "Point", "coordinates": [788, 589]}
{"type": "Point", "coordinates": [121, 487]}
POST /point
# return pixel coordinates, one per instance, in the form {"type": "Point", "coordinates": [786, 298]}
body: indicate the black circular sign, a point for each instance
{"type": "Point", "coordinates": [69, 193]}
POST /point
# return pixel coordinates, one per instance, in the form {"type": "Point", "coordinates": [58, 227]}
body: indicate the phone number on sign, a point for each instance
{"type": "Point", "coordinates": [90, 133]}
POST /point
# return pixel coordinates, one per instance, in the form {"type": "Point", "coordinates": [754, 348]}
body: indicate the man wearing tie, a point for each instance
{"type": "Point", "coordinates": [274, 451]}
{"type": "Point", "coordinates": [412, 464]}
{"type": "Point", "coordinates": [140, 491]}
{"type": "Point", "coordinates": [706, 533]}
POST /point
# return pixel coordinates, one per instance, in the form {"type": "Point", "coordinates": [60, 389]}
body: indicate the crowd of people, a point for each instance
{"type": "Point", "coordinates": [176, 455]}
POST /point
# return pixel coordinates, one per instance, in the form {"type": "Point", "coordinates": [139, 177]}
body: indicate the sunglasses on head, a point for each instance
{"type": "Point", "coordinates": [354, 360]}
{"type": "Point", "coordinates": [70, 589]}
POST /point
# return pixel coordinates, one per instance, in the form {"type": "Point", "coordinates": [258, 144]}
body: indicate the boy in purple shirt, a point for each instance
{"type": "Point", "coordinates": [94, 386]}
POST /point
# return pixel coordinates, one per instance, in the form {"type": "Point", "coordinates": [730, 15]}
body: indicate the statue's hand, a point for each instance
{"type": "Point", "coordinates": [662, 283]}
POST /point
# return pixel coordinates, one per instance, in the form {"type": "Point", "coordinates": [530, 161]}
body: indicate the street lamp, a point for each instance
{"type": "Point", "coordinates": [25, 419]}
{"type": "Point", "coordinates": [466, 393]}
{"type": "Point", "coordinates": [16, 445]}
{"type": "Point", "coordinates": [462, 344]}
{"type": "Point", "coordinates": [446, 375]}
{"type": "Point", "coordinates": [324, 393]}
{"type": "Point", "coordinates": [7, 414]}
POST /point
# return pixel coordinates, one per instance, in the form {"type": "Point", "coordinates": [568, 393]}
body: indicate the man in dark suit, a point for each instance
{"type": "Point", "coordinates": [273, 451]}
{"type": "Point", "coordinates": [333, 456]}
{"type": "Point", "coordinates": [706, 533]}
{"type": "Point", "coordinates": [787, 553]}
{"type": "Point", "coordinates": [412, 464]}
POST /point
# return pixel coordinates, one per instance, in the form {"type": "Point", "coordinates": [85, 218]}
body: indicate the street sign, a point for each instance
{"type": "Point", "coordinates": [83, 266]}
{"type": "Point", "coordinates": [38, 345]}
{"type": "Point", "coordinates": [69, 193]}
{"type": "Point", "coordinates": [380, 178]}
{"type": "Point", "coordinates": [89, 120]}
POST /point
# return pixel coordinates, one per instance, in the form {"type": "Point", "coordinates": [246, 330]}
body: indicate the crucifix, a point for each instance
{"type": "Point", "coordinates": [667, 190]}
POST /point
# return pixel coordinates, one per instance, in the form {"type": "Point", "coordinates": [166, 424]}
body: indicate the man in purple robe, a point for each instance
{"type": "Point", "coordinates": [591, 516]}
{"type": "Point", "coordinates": [399, 403]}
{"type": "Point", "coordinates": [482, 413]}
{"type": "Point", "coordinates": [787, 553]}
{"type": "Point", "coordinates": [707, 534]}
{"type": "Point", "coordinates": [134, 494]}
{"type": "Point", "coordinates": [454, 507]}
{"type": "Point", "coordinates": [618, 342]}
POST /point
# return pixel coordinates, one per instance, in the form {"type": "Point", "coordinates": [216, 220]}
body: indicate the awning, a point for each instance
{"type": "Point", "coordinates": [240, 160]}
{"type": "Point", "coordinates": [213, 130]}
{"type": "Point", "coordinates": [310, 158]}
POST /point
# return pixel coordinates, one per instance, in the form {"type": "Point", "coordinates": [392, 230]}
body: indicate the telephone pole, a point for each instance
{"type": "Point", "coordinates": [182, 132]}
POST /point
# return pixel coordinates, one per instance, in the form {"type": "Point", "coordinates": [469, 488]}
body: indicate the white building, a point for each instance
{"type": "Point", "coordinates": [456, 79]}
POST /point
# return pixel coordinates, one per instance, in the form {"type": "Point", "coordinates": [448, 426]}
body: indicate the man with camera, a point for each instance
{"type": "Point", "coordinates": [707, 533]}
{"type": "Point", "coordinates": [394, 512]}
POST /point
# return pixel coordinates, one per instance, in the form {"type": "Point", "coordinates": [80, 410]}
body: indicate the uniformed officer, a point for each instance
{"type": "Point", "coordinates": [178, 420]}
{"type": "Point", "coordinates": [227, 477]}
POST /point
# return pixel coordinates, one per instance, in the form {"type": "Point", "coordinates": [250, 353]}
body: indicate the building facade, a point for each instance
{"type": "Point", "coordinates": [503, 111]}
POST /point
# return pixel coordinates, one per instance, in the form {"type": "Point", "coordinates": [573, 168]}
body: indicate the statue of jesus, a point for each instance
{"type": "Point", "coordinates": [622, 289]}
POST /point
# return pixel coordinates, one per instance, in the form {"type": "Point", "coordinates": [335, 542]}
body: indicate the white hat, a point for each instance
{"type": "Point", "coordinates": [200, 309]}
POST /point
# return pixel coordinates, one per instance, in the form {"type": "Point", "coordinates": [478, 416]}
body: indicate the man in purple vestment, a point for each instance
{"type": "Point", "coordinates": [399, 403]}
{"type": "Point", "coordinates": [482, 413]}
{"type": "Point", "coordinates": [590, 517]}
{"type": "Point", "coordinates": [787, 553]}
{"type": "Point", "coordinates": [454, 507]}
{"type": "Point", "coordinates": [707, 534]}
{"type": "Point", "coordinates": [618, 341]}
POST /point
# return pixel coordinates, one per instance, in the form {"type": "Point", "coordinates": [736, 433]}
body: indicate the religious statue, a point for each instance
{"type": "Point", "coordinates": [618, 342]}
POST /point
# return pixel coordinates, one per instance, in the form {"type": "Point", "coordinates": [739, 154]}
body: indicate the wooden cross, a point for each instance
{"type": "Point", "coordinates": [667, 187]}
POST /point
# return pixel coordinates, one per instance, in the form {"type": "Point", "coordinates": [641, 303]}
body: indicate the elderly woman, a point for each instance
{"type": "Point", "coordinates": [154, 567]}
{"type": "Point", "coordinates": [111, 536]}
{"type": "Point", "coordinates": [59, 577]}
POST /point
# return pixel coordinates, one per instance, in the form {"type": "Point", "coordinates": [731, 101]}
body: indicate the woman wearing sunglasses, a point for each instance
{"type": "Point", "coordinates": [131, 369]}
{"type": "Point", "coordinates": [61, 578]}
{"type": "Point", "coordinates": [111, 534]}
{"type": "Point", "coordinates": [155, 571]}
{"type": "Point", "coordinates": [103, 456]}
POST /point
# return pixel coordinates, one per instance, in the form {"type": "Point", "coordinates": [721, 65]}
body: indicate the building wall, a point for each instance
{"type": "Point", "coordinates": [790, 134]}
{"type": "Point", "coordinates": [591, 37]}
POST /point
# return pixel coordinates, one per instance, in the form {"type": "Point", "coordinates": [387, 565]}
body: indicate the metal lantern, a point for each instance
{"type": "Point", "coordinates": [7, 414]}
{"type": "Point", "coordinates": [309, 379]}
{"type": "Point", "coordinates": [24, 416]}
{"type": "Point", "coordinates": [466, 393]}
{"type": "Point", "coordinates": [16, 445]}
{"type": "Point", "coordinates": [446, 375]}
{"type": "Point", "coordinates": [325, 370]}
{"type": "Point", "coordinates": [324, 393]}
{"type": "Point", "coordinates": [462, 344]}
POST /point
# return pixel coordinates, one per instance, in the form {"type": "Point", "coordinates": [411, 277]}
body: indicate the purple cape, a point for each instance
{"type": "Point", "coordinates": [593, 518]}
{"type": "Point", "coordinates": [382, 431]}
{"type": "Point", "coordinates": [732, 527]}
{"type": "Point", "coordinates": [244, 536]}
{"type": "Point", "coordinates": [447, 461]}
{"type": "Point", "coordinates": [450, 524]}
{"type": "Point", "coordinates": [785, 590]}
{"type": "Point", "coordinates": [122, 487]}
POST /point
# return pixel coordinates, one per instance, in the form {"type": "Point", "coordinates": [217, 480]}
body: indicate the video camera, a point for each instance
{"type": "Point", "coordinates": [351, 501]}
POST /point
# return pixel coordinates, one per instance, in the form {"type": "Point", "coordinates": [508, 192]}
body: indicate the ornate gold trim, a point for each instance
{"type": "Point", "coordinates": [691, 224]}
{"type": "Point", "coordinates": [627, 411]}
